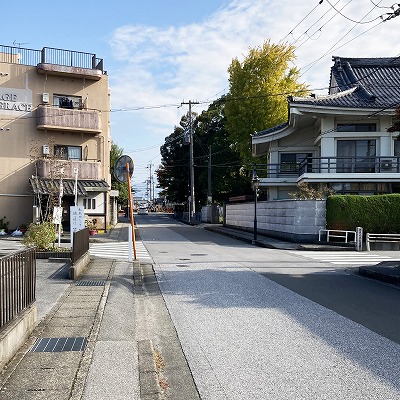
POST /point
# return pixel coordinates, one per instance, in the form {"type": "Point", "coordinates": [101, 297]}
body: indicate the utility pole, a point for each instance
{"type": "Point", "coordinates": [150, 183]}
{"type": "Point", "coordinates": [192, 203]}
{"type": "Point", "coordinates": [209, 194]}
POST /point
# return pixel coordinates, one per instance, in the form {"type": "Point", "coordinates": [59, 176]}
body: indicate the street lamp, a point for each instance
{"type": "Point", "coordinates": [256, 183]}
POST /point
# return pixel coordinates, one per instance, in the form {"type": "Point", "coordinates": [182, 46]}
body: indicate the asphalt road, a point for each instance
{"type": "Point", "coordinates": [263, 323]}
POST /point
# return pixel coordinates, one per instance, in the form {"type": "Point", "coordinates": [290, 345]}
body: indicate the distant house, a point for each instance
{"type": "Point", "coordinates": [340, 140]}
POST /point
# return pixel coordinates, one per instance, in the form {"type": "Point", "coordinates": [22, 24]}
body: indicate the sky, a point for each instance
{"type": "Point", "coordinates": [159, 54]}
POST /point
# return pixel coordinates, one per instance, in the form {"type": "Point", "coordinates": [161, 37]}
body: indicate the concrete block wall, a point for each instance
{"type": "Point", "coordinates": [294, 220]}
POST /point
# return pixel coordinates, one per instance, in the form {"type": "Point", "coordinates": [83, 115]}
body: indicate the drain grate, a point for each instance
{"type": "Point", "coordinates": [54, 345]}
{"type": "Point", "coordinates": [182, 265]}
{"type": "Point", "coordinates": [90, 283]}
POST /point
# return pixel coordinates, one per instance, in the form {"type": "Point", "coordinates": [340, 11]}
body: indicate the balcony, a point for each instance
{"type": "Point", "coordinates": [331, 169]}
{"type": "Point", "coordinates": [87, 170]}
{"type": "Point", "coordinates": [67, 119]}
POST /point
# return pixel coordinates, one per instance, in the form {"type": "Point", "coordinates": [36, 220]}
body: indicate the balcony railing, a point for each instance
{"type": "Point", "coordinates": [336, 165]}
{"type": "Point", "coordinates": [331, 165]}
{"type": "Point", "coordinates": [67, 119]}
{"type": "Point", "coordinates": [88, 170]}
{"type": "Point", "coordinates": [49, 55]}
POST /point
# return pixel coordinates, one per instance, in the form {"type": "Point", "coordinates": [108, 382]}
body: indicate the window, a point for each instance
{"type": "Point", "coordinates": [89, 204]}
{"type": "Point", "coordinates": [65, 101]}
{"type": "Point", "coordinates": [68, 152]}
{"type": "Point", "coordinates": [290, 162]}
{"type": "Point", "coordinates": [356, 155]}
{"type": "Point", "coordinates": [397, 148]}
{"type": "Point", "coordinates": [360, 188]}
{"type": "Point", "coordinates": [352, 127]}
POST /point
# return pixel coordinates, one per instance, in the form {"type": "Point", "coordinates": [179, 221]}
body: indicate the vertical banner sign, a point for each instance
{"type": "Point", "coordinates": [359, 238]}
{"type": "Point", "coordinates": [57, 215]}
{"type": "Point", "coordinates": [77, 220]}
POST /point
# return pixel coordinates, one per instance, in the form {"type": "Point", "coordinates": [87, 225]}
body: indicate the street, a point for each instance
{"type": "Point", "coordinates": [263, 323]}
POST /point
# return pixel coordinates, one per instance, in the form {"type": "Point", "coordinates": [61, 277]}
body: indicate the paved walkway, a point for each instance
{"type": "Point", "coordinates": [106, 336]}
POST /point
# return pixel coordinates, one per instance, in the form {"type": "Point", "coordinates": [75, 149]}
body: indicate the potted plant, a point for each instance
{"type": "Point", "coordinates": [23, 228]}
{"type": "Point", "coordinates": [91, 224]}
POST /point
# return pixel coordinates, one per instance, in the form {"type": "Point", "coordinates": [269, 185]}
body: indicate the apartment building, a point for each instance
{"type": "Point", "coordinates": [342, 140]}
{"type": "Point", "coordinates": [54, 134]}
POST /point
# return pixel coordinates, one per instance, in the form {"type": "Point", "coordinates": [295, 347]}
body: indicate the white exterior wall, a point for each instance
{"type": "Point", "coordinates": [295, 220]}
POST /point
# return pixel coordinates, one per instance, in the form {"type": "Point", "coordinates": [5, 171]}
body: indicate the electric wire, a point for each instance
{"type": "Point", "coordinates": [361, 22]}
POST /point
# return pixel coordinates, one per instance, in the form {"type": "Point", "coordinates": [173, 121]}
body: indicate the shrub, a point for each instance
{"type": "Point", "coordinates": [377, 214]}
{"type": "Point", "coordinates": [4, 223]}
{"type": "Point", "coordinates": [307, 192]}
{"type": "Point", "coordinates": [41, 236]}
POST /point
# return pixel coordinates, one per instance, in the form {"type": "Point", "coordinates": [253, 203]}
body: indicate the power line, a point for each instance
{"type": "Point", "coordinates": [352, 20]}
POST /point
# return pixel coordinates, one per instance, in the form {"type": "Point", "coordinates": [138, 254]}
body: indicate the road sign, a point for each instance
{"type": "Point", "coordinates": [120, 170]}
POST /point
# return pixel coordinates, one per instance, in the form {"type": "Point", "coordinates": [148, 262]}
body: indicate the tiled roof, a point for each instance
{"type": "Point", "coordinates": [46, 186]}
{"type": "Point", "coordinates": [361, 83]}
{"type": "Point", "coordinates": [271, 130]}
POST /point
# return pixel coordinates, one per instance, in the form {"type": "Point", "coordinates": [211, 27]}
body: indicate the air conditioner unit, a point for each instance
{"type": "Point", "coordinates": [45, 98]}
{"type": "Point", "coordinates": [45, 150]}
{"type": "Point", "coordinates": [388, 164]}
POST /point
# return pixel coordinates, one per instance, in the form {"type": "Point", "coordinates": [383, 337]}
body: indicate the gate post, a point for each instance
{"type": "Point", "coordinates": [359, 238]}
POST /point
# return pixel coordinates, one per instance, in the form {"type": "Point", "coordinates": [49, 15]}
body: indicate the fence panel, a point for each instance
{"type": "Point", "coordinates": [17, 284]}
{"type": "Point", "coordinates": [81, 244]}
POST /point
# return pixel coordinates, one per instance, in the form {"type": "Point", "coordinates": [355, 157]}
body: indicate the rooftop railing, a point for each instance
{"type": "Point", "coordinates": [49, 55]}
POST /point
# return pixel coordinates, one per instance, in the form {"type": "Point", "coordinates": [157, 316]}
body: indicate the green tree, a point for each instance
{"type": "Point", "coordinates": [259, 87]}
{"type": "Point", "coordinates": [226, 168]}
{"type": "Point", "coordinates": [173, 172]}
{"type": "Point", "coordinates": [115, 153]}
{"type": "Point", "coordinates": [227, 177]}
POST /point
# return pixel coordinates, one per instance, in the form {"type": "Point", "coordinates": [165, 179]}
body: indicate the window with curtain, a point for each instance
{"type": "Point", "coordinates": [68, 152]}
{"type": "Point", "coordinates": [66, 101]}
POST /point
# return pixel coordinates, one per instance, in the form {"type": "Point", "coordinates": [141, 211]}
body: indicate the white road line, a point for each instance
{"type": "Point", "coordinates": [118, 250]}
{"type": "Point", "coordinates": [346, 257]}
{"type": "Point", "coordinates": [9, 246]}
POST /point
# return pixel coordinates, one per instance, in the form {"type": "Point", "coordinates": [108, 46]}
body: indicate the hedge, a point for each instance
{"type": "Point", "coordinates": [376, 214]}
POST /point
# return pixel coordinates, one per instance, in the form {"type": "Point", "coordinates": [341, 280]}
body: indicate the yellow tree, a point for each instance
{"type": "Point", "coordinates": [258, 91]}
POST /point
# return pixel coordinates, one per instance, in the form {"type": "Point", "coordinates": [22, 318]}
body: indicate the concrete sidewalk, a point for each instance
{"type": "Point", "coordinates": [107, 336]}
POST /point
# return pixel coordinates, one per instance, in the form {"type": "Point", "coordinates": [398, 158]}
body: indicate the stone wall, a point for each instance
{"type": "Point", "coordinates": [293, 220]}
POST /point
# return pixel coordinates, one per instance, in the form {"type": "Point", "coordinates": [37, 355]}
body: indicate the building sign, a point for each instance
{"type": "Point", "coordinates": [15, 101]}
{"type": "Point", "coordinates": [77, 216]}
{"type": "Point", "coordinates": [57, 215]}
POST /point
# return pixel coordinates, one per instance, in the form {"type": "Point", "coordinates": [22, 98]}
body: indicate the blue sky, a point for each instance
{"type": "Point", "coordinates": [161, 53]}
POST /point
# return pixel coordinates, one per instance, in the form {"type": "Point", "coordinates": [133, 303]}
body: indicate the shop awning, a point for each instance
{"type": "Point", "coordinates": [47, 186]}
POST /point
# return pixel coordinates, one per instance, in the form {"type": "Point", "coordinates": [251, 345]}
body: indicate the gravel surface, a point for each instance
{"type": "Point", "coordinates": [246, 337]}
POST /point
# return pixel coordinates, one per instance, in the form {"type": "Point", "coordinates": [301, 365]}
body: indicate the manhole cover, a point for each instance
{"type": "Point", "coordinates": [53, 345]}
